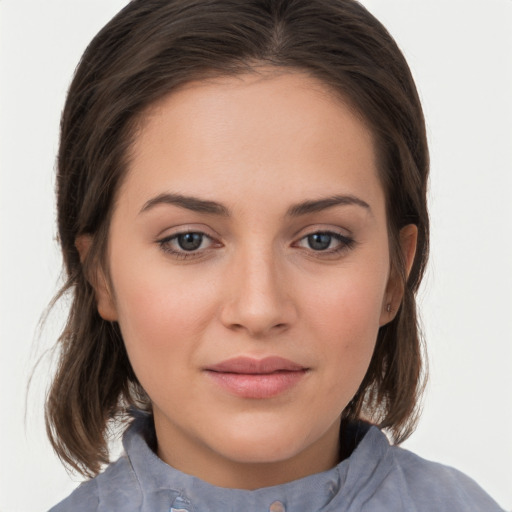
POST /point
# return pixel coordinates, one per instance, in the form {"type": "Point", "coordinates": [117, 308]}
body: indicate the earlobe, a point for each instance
{"type": "Point", "coordinates": [395, 289]}
{"type": "Point", "coordinates": [97, 279]}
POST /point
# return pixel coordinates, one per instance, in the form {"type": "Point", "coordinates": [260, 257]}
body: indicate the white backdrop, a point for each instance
{"type": "Point", "coordinates": [460, 52]}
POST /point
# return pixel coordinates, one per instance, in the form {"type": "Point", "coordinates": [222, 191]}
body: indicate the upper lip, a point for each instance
{"type": "Point", "coordinates": [249, 365]}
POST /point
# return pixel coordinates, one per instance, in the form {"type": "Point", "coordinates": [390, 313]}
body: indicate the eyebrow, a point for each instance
{"type": "Point", "coordinates": [188, 202]}
{"type": "Point", "coordinates": [325, 203]}
{"type": "Point", "coordinates": [212, 207]}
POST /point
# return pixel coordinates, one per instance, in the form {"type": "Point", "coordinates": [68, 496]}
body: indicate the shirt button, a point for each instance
{"type": "Point", "coordinates": [276, 506]}
{"type": "Point", "coordinates": [179, 505]}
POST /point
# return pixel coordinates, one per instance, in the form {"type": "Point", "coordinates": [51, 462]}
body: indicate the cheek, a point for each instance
{"type": "Point", "coordinates": [344, 316]}
{"type": "Point", "coordinates": [161, 315]}
{"type": "Point", "coordinates": [349, 303]}
{"type": "Point", "coordinates": [162, 321]}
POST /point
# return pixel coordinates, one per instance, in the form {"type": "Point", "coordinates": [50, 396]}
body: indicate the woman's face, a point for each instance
{"type": "Point", "coordinates": [250, 273]}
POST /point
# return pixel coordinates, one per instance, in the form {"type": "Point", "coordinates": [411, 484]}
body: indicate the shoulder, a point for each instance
{"type": "Point", "coordinates": [83, 499]}
{"type": "Point", "coordinates": [434, 486]}
{"type": "Point", "coordinates": [117, 488]}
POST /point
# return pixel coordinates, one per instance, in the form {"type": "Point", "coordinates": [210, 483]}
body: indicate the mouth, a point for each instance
{"type": "Point", "coordinates": [257, 378]}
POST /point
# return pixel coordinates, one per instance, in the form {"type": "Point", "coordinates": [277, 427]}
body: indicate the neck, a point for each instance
{"type": "Point", "coordinates": [215, 468]}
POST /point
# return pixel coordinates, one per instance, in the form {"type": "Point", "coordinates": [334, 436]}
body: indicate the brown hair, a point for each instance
{"type": "Point", "coordinates": [144, 53]}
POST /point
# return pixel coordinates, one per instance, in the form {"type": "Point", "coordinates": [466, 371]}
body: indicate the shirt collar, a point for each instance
{"type": "Point", "coordinates": [190, 494]}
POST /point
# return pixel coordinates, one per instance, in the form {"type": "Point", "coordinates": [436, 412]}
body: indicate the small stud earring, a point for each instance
{"type": "Point", "coordinates": [388, 308]}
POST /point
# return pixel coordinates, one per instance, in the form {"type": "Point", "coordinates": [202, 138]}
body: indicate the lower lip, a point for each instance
{"type": "Point", "coordinates": [259, 386]}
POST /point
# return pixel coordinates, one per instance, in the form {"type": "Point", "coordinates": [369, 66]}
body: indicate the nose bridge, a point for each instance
{"type": "Point", "coordinates": [258, 300]}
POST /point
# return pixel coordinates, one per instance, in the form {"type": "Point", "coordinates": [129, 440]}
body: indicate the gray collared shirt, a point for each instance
{"type": "Point", "coordinates": [377, 477]}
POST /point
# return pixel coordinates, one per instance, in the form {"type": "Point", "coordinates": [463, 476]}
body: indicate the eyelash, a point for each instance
{"type": "Point", "coordinates": [183, 254]}
{"type": "Point", "coordinates": [344, 244]}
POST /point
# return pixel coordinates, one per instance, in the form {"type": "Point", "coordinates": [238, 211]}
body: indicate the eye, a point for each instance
{"type": "Point", "coordinates": [326, 241]}
{"type": "Point", "coordinates": [187, 244]}
{"type": "Point", "coordinates": [319, 241]}
{"type": "Point", "coordinates": [190, 241]}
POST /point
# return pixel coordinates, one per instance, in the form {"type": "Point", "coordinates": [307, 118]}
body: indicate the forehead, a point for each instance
{"type": "Point", "coordinates": [249, 133]}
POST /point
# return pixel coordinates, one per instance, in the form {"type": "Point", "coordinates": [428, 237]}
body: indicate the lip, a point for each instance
{"type": "Point", "coordinates": [256, 378]}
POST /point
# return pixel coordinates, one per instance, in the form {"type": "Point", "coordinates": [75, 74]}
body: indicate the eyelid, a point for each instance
{"type": "Point", "coordinates": [335, 234]}
{"type": "Point", "coordinates": [185, 228]}
{"type": "Point", "coordinates": [320, 227]}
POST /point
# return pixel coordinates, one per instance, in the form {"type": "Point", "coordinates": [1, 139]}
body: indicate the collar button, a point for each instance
{"type": "Point", "coordinates": [277, 506]}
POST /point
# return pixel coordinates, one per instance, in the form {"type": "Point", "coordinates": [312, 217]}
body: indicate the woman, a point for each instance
{"type": "Point", "coordinates": [242, 213]}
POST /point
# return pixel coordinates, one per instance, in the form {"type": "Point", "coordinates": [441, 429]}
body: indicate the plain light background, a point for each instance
{"type": "Point", "coordinates": [460, 53]}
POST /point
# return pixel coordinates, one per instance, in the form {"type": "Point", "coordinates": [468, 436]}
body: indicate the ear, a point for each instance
{"type": "Point", "coordinates": [395, 288]}
{"type": "Point", "coordinates": [97, 279]}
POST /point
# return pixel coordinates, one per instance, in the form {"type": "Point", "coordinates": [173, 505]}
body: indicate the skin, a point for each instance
{"type": "Point", "coordinates": [258, 145]}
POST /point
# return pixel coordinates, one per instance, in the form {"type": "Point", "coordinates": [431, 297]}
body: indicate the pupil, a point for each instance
{"type": "Point", "coordinates": [319, 241]}
{"type": "Point", "coordinates": [190, 241]}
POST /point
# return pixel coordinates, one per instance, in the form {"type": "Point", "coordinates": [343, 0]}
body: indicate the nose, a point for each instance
{"type": "Point", "coordinates": [260, 299]}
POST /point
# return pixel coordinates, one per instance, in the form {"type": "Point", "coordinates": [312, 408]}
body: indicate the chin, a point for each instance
{"type": "Point", "coordinates": [264, 442]}
{"type": "Point", "coordinates": [263, 452]}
